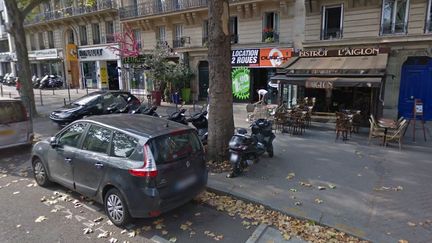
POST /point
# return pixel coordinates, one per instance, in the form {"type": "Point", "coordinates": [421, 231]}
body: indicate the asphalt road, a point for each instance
{"type": "Point", "coordinates": [21, 206]}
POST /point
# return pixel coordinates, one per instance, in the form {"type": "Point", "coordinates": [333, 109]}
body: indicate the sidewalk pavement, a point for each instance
{"type": "Point", "coordinates": [380, 193]}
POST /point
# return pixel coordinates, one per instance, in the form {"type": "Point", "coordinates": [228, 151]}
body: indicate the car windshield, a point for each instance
{"type": "Point", "coordinates": [174, 146]}
{"type": "Point", "coordinates": [86, 99]}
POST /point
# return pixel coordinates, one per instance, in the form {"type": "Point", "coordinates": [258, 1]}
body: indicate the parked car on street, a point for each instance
{"type": "Point", "coordinates": [15, 126]}
{"type": "Point", "coordinates": [96, 103]}
{"type": "Point", "coordinates": [136, 166]}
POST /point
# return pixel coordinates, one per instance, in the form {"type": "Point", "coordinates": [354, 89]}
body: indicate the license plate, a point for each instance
{"type": "Point", "coordinates": [7, 132]}
{"type": "Point", "coordinates": [233, 157]}
{"type": "Point", "coordinates": [186, 182]}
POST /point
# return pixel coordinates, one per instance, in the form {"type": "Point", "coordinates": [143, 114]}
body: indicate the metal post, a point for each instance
{"type": "Point", "coordinates": [64, 101]}
{"type": "Point", "coordinates": [68, 87]}
{"type": "Point", "coordinates": [1, 89]}
{"type": "Point", "coordinates": [77, 90]}
{"type": "Point", "coordinates": [87, 89]}
{"type": "Point", "coordinates": [10, 95]}
{"type": "Point", "coordinates": [40, 95]}
{"type": "Point", "coordinates": [53, 91]}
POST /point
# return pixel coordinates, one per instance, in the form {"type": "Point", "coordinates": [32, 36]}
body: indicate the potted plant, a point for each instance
{"type": "Point", "coordinates": [268, 35]}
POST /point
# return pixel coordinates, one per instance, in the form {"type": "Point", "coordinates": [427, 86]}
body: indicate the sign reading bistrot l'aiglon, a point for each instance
{"type": "Point", "coordinates": [344, 52]}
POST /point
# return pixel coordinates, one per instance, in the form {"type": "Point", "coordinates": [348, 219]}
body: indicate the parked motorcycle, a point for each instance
{"type": "Point", "coordinates": [246, 149]}
{"type": "Point", "coordinates": [11, 80]}
{"type": "Point", "coordinates": [36, 81]}
{"type": "Point", "coordinates": [143, 109]}
{"type": "Point", "coordinates": [179, 116]}
{"type": "Point", "coordinates": [200, 122]}
{"type": "Point", "coordinates": [50, 81]}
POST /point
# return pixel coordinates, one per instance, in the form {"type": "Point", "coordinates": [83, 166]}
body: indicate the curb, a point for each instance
{"type": "Point", "coordinates": [158, 239]}
{"type": "Point", "coordinates": [218, 191]}
{"type": "Point", "coordinates": [256, 235]}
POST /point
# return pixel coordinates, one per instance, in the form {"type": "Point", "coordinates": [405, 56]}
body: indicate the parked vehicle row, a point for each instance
{"type": "Point", "coordinates": [8, 79]}
{"type": "Point", "coordinates": [47, 82]}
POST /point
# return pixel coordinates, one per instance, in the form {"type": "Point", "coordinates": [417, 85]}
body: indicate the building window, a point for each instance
{"type": "Point", "coordinates": [271, 27]}
{"type": "Point", "coordinates": [429, 18]}
{"type": "Point", "coordinates": [394, 17]}
{"type": "Point", "coordinates": [83, 35]}
{"type": "Point", "coordinates": [41, 41]}
{"type": "Point", "coordinates": [71, 37]}
{"type": "Point", "coordinates": [32, 42]}
{"type": "Point", "coordinates": [205, 33]}
{"type": "Point", "coordinates": [178, 36]}
{"type": "Point", "coordinates": [109, 29]}
{"type": "Point", "coordinates": [233, 24]}
{"type": "Point", "coordinates": [96, 34]}
{"type": "Point", "coordinates": [161, 36]}
{"type": "Point", "coordinates": [50, 39]}
{"type": "Point", "coordinates": [332, 22]}
{"type": "Point", "coordinates": [137, 36]}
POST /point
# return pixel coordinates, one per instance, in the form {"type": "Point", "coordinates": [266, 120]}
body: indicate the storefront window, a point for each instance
{"type": "Point", "coordinates": [271, 27]}
{"type": "Point", "coordinates": [394, 16]}
{"type": "Point", "coordinates": [89, 74]}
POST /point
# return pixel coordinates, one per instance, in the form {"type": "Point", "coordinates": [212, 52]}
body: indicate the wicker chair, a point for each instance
{"type": "Point", "coordinates": [396, 135]}
{"type": "Point", "coordinates": [374, 130]}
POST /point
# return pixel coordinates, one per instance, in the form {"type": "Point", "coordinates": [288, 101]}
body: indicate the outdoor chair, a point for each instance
{"type": "Point", "coordinates": [396, 135]}
{"type": "Point", "coordinates": [250, 108]}
{"type": "Point", "coordinates": [375, 131]}
{"type": "Point", "coordinates": [343, 126]}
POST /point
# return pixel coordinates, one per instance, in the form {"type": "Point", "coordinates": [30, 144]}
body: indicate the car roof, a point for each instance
{"type": "Point", "coordinates": [138, 124]}
{"type": "Point", "coordinates": [108, 91]}
{"type": "Point", "coordinates": [9, 100]}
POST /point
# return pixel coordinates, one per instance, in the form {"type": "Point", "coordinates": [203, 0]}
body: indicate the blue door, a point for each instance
{"type": "Point", "coordinates": [416, 83]}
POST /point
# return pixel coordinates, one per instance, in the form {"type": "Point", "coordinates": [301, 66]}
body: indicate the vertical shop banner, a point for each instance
{"type": "Point", "coordinates": [71, 52]}
{"type": "Point", "coordinates": [72, 65]}
{"type": "Point", "coordinates": [104, 77]}
{"type": "Point", "coordinates": [241, 83]}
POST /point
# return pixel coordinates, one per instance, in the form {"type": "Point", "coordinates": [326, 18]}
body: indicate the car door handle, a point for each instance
{"type": "Point", "coordinates": [99, 165]}
{"type": "Point", "coordinates": [68, 160]}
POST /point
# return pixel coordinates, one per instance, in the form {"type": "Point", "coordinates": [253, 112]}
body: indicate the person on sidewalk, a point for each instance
{"type": "Point", "coordinates": [262, 95]}
{"type": "Point", "coordinates": [18, 86]}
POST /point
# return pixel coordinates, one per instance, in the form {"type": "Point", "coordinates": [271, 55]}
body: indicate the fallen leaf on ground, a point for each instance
{"type": "Point", "coordinates": [18, 226]}
{"type": "Point", "coordinates": [290, 176]}
{"type": "Point", "coordinates": [184, 227]}
{"type": "Point", "coordinates": [103, 235]}
{"type": "Point", "coordinates": [113, 240]}
{"type": "Point", "coordinates": [69, 216]}
{"type": "Point", "coordinates": [123, 231]}
{"type": "Point", "coordinates": [17, 192]}
{"type": "Point", "coordinates": [172, 239]}
{"type": "Point", "coordinates": [98, 219]}
{"type": "Point", "coordinates": [305, 184]}
{"type": "Point", "coordinates": [298, 203]}
{"type": "Point", "coordinates": [321, 188]}
{"type": "Point", "coordinates": [146, 228]}
{"type": "Point", "coordinates": [319, 201]}
{"type": "Point", "coordinates": [286, 236]}
{"type": "Point", "coordinates": [331, 186]}
{"type": "Point", "coordinates": [359, 174]}
{"type": "Point", "coordinates": [40, 219]}
{"type": "Point", "coordinates": [293, 190]}
{"type": "Point", "coordinates": [54, 210]}
{"type": "Point", "coordinates": [87, 231]}
{"type": "Point", "coordinates": [412, 224]}
{"type": "Point", "coordinates": [402, 241]}
{"type": "Point", "coordinates": [109, 222]}
{"type": "Point", "coordinates": [164, 232]}
{"type": "Point", "coordinates": [132, 234]}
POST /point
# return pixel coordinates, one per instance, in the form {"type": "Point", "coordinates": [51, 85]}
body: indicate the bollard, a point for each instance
{"type": "Point", "coordinates": [64, 101]}
{"type": "Point", "coordinates": [40, 95]}
{"type": "Point", "coordinates": [87, 90]}
{"type": "Point", "coordinates": [77, 90]}
{"type": "Point", "coordinates": [69, 93]}
{"type": "Point", "coordinates": [53, 90]}
{"type": "Point", "coordinates": [1, 89]}
{"type": "Point", "coordinates": [10, 95]}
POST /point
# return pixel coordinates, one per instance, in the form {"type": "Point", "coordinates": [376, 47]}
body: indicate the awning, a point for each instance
{"type": "Point", "coordinates": [378, 62]}
{"type": "Point", "coordinates": [328, 82]}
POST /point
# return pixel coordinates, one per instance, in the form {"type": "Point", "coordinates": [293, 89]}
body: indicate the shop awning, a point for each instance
{"type": "Point", "coordinates": [378, 62]}
{"type": "Point", "coordinates": [329, 82]}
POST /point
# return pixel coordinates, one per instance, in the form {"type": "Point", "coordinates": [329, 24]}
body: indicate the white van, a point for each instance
{"type": "Point", "coordinates": [14, 124]}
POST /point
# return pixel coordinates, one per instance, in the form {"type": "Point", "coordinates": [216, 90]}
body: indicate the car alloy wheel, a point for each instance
{"type": "Point", "coordinates": [40, 173]}
{"type": "Point", "coordinates": [116, 208]}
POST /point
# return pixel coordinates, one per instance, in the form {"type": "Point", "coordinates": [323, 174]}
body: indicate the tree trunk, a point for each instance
{"type": "Point", "coordinates": [16, 29]}
{"type": "Point", "coordinates": [221, 121]}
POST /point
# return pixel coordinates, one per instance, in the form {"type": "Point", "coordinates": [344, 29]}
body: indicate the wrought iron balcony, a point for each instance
{"type": "Point", "coordinates": [180, 42]}
{"type": "Point", "coordinates": [68, 12]}
{"type": "Point", "coordinates": [159, 7]}
{"type": "Point", "coordinates": [270, 36]}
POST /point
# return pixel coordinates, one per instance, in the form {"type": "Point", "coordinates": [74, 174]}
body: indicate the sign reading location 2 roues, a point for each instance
{"type": "Point", "coordinates": [264, 57]}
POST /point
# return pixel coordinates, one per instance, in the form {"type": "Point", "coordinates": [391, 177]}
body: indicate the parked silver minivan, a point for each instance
{"type": "Point", "coordinates": [15, 126]}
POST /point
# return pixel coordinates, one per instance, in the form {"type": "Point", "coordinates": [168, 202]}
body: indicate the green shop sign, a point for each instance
{"type": "Point", "coordinates": [241, 83]}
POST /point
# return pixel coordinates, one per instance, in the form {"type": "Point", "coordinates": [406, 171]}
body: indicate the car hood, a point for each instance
{"type": "Point", "coordinates": [68, 109]}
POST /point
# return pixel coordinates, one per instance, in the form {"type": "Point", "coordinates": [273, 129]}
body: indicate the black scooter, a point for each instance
{"type": "Point", "coordinates": [143, 109]}
{"type": "Point", "coordinates": [246, 149]}
{"type": "Point", "coordinates": [199, 121]}
{"type": "Point", "coordinates": [179, 116]}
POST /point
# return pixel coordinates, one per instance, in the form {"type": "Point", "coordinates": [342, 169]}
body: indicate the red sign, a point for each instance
{"type": "Point", "coordinates": [274, 57]}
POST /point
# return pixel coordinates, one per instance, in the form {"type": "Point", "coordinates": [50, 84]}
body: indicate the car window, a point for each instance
{"type": "Point", "coordinates": [97, 139]}
{"type": "Point", "coordinates": [171, 147]}
{"type": "Point", "coordinates": [86, 100]}
{"type": "Point", "coordinates": [72, 135]}
{"type": "Point", "coordinates": [11, 112]}
{"type": "Point", "coordinates": [123, 145]}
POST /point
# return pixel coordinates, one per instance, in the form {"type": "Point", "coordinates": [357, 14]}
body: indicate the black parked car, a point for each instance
{"type": "Point", "coordinates": [136, 166]}
{"type": "Point", "coordinates": [96, 103]}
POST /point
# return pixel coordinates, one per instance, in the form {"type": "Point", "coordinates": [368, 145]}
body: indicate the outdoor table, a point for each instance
{"type": "Point", "coordinates": [386, 124]}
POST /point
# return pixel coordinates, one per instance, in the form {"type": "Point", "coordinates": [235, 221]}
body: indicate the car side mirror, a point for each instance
{"type": "Point", "coordinates": [53, 142]}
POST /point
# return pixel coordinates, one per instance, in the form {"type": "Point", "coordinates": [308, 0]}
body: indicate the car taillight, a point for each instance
{"type": "Point", "coordinates": [149, 169]}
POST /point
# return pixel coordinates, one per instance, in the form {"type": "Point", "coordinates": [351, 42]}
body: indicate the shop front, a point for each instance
{"type": "Point", "coordinates": [5, 63]}
{"type": "Point", "coordinates": [47, 62]}
{"type": "Point", "coordinates": [336, 80]}
{"type": "Point", "coordinates": [252, 70]}
{"type": "Point", "coordinates": [99, 68]}
{"type": "Point", "coordinates": [134, 71]}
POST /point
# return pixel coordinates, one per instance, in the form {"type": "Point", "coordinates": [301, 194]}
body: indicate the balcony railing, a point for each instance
{"type": "Point", "coordinates": [70, 12]}
{"type": "Point", "coordinates": [332, 33]}
{"type": "Point", "coordinates": [234, 39]}
{"type": "Point", "coordinates": [110, 38]}
{"type": "Point", "coordinates": [159, 7]}
{"type": "Point", "coordinates": [270, 37]}
{"type": "Point", "coordinates": [180, 42]}
{"type": "Point", "coordinates": [205, 40]}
